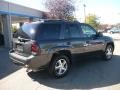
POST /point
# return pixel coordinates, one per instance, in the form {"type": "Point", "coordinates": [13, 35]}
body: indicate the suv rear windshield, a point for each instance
{"type": "Point", "coordinates": [27, 31]}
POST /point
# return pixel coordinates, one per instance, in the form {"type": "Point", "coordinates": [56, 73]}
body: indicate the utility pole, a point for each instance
{"type": "Point", "coordinates": [84, 12]}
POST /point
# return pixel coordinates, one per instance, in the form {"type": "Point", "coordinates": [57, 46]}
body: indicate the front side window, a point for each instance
{"type": "Point", "coordinates": [88, 31]}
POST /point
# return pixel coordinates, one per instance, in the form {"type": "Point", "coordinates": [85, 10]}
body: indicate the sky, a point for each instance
{"type": "Point", "coordinates": [108, 11]}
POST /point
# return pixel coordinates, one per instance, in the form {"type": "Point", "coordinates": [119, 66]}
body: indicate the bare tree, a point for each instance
{"type": "Point", "coordinates": [60, 9]}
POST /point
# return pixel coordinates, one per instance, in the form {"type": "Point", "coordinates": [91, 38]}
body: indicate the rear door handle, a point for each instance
{"type": "Point", "coordinates": [86, 44]}
{"type": "Point", "coordinates": [68, 43]}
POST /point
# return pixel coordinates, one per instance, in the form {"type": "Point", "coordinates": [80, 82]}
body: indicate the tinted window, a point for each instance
{"type": "Point", "coordinates": [88, 31]}
{"type": "Point", "coordinates": [49, 32]}
{"type": "Point", "coordinates": [72, 31]}
{"type": "Point", "coordinates": [27, 31]}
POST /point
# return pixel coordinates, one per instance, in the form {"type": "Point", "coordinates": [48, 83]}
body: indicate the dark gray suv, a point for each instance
{"type": "Point", "coordinates": [51, 44]}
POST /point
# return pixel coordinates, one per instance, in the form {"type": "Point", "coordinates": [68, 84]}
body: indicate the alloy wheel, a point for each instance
{"type": "Point", "coordinates": [109, 52]}
{"type": "Point", "coordinates": [61, 66]}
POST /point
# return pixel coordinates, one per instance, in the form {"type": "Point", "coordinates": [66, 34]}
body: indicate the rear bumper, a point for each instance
{"type": "Point", "coordinates": [32, 62]}
{"type": "Point", "coordinates": [20, 60]}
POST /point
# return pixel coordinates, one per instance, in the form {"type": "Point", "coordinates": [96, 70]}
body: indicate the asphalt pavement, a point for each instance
{"type": "Point", "coordinates": [86, 73]}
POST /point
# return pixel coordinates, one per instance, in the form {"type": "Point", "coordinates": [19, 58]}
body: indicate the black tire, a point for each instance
{"type": "Point", "coordinates": [105, 53]}
{"type": "Point", "coordinates": [54, 63]}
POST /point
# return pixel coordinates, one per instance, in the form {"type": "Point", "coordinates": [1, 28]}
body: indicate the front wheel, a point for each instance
{"type": "Point", "coordinates": [59, 66]}
{"type": "Point", "coordinates": [108, 52]}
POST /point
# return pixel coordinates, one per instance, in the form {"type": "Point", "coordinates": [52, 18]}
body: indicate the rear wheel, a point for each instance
{"type": "Point", "coordinates": [108, 52]}
{"type": "Point", "coordinates": [59, 66]}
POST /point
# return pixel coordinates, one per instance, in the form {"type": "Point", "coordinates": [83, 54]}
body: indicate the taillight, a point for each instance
{"type": "Point", "coordinates": [34, 48]}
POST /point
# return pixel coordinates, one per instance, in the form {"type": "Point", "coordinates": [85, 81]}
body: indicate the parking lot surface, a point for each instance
{"type": "Point", "coordinates": [86, 73]}
{"type": "Point", "coordinates": [115, 36]}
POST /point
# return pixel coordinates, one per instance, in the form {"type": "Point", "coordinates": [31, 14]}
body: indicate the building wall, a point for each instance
{"type": "Point", "coordinates": [1, 28]}
{"type": "Point", "coordinates": [14, 9]}
{"type": "Point", "coordinates": [17, 13]}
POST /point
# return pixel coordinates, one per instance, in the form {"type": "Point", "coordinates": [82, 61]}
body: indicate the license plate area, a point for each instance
{"type": "Point", "coordinates": [19, 47]}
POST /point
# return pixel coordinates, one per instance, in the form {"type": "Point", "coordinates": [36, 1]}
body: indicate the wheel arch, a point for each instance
{"type": "Point", "coordinates": [62, 52]}
{"type": "Point", "coordinates": [111, 43]}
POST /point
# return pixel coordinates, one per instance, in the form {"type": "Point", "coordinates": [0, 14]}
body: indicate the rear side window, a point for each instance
{"type": "Point", "coordinates": [49, 32]}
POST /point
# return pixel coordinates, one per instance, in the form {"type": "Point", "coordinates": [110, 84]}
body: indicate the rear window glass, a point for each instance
{"type": "Point", "coordinates": [27, 31]}
{"type": "Point", "coordinates": [49, 32]}
{"type": "Point", "coordinates": [72, 31]}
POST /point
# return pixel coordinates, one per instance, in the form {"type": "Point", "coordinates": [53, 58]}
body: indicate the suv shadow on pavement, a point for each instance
{"type": "Point", "coordinates": [6, 66]}
{"type": "Point", "coordinates": [88, 73]}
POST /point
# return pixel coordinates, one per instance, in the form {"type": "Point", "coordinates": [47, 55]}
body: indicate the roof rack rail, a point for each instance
{"type": "Point", "coordinates": [57, 20]}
